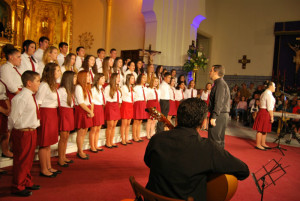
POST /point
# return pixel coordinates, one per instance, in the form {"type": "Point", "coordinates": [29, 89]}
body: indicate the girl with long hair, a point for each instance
{"type": "Point", "coordinates": [205, 97]}
{"type": "Point", "coordinates": [131, 67]}
{"type": "Point", "coordinates": [139, 106]}
{"type": "Point", "coordinates": [153, 96]}
{"type": "Point", "coordinates": [172, 108]}
{"type": "Point", "coordinates": [150, 74]}
{"type": "Point", "coordinates": [47, 99]}
{"type": "Point", "coordinates": [127, 107]}
{"type": "Point", "coordinates": [98, 119]}
{"type": "Point", "coordinates": [117, 68]}
{"type": "Point", "coordinates": [66, 114]}
{"type": "Point", "coordinates": [84, 111]}
{"type": "Point", "coordinates": [181, 78]}
{"type": "Point", "coordinates": [113, 98]}
{"type": "Point", "coordinates": [28, 62]}
{"type": "Point", "coordinates": [107, 68]}
{"type": "Point", "coordinates": [158, 73]}
{"type": "Point", "coordinates": [139, 67]}
{"type": "Point", "coordinates": [89, 65]}
{"type": "Point", "coordinates": [49, 56]}
{"type": "Point", "coordinates": [69, 63]}
{"type": "Point", "coordinates": [190, 92]}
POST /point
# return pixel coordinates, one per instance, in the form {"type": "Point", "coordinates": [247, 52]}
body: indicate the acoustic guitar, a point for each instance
{"type": "Point", "coordinates": [220, 187]}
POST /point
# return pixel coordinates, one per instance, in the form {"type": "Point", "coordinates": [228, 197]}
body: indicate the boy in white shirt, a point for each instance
{"type": "Point", "coordinates": [63, 48]}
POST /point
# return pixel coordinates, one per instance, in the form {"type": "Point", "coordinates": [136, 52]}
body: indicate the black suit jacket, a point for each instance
{"type": "Point", "coordinates": [180, 160]}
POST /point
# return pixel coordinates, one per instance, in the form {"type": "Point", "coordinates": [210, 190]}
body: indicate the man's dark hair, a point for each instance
{"type": "Point", "coordinates": [61, 44]}
{"type": "Point", "coordinates": [10, 51]}
{"type": "Point", "coordinates": [78, 49]}
{"type": "Point", "coordinates": [167, 74]}
{"type": "Point", "coordinates": [191, 113]}
{"type": "Point", "coordinates": [100, 50]}
{"type": "Point", "coordinates": [43, 38]}
{"type": "Point", "coordinates": [28, 76]}
{"type": "Point", "coordinates": [113, 49]}
{"type": "Point", "coordinates": [220, 69]}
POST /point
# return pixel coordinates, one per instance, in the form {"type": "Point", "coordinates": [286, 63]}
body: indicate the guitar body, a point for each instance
{"type": "Point", "coordinates": [221, 187]}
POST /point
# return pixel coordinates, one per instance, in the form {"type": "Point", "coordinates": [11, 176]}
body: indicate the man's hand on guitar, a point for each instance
{"type": "Point", "coordinates": [213, 122]}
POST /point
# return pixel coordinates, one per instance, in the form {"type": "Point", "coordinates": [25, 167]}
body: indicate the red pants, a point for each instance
{"type": "Point", "coordinates": [24, 143]}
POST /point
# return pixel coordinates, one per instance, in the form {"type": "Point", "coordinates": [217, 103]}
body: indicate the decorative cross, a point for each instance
{"type": "Point", "coordinates": [244, 61]}
{"type": "Point", "coordinates": [150, 53]}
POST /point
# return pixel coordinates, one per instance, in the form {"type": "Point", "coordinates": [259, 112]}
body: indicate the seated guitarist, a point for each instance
{"type": "Point", "coordinates": [180, 159]}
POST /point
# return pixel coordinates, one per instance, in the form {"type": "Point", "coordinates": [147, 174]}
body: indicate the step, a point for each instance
{"type": "Point", "coordinates": [72, 147]}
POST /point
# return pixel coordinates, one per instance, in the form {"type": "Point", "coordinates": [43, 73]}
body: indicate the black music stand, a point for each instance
{"type": "Point", "coordinates": [267, 175]}
{"type": "Point", "coordinates": [281, 135]}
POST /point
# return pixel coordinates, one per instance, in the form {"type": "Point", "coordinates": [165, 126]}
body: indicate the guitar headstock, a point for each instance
{"type": "Point", "coordinates": [153, 112]}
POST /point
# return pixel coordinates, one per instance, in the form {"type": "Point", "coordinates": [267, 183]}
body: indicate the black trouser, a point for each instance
{"type": "Point", "coordinates": [164, 106]}
{"type": "Point", "coordinates": [217, 133]}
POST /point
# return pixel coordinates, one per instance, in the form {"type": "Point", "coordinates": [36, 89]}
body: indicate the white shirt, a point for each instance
{"type": "Point", "coordinates": [124, 68]}
{"type": "Point", "coordinates": [188, 93]}
{"type": "Point", "coordinates": [63, 98]}
{"type": "Point", "coordinates": [129, 72]}
{"type": "Point", "coordinates": [126, 94]}
{"type": "Point", "coordinates": [26, 64]}
{"type": "Point", "coordinates": [78, 62]}
{"type": "Point", "coordinates": [251, 103]}
{"type": "Point", "coordinates": [41, 68]}
{"type": "Point", "coordinates": [115, 97]}
{"type": "Point", "coordinates": [23, 111]}
{"type": "Point", "coordinates": [164, 91]}
{"type": "Point", "coordinates": [45, 97]}
{"type": "Point", "coordinates": [172, 93]}
{"type": "Point", "coordinates": [179, 94]}
{"type": "Point", "coordinates": [122, 80]}
{"type": "Point", "coordinates": [99, 65]}
{"type": "Point", "coordinates": [151, 94]}
{"type": "Point", "coordinates": [3, 95]}
{"type": "Point", "coordinates": [38, 55]}
{"type": "Point", "coordinates": [79, 98]}
{"type": "Point", "coordinates": [204, 95]}
{"type": "Point", "coordinates": [11, 77]}
{"type": "Point", "coordinates": [97, 96]}
{"type": "Point", "coordinates": [267, 101]}
{"type": "Point", "coordinates": [139, 95]}
{"type": "Point", "coordinates": [60, 59]}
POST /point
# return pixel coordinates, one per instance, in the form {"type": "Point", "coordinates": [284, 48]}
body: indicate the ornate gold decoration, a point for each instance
{"type": "Point", "coordinates": [86, 40]}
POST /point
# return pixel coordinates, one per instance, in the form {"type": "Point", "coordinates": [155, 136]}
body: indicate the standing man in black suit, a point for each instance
{"type": "Point", "coordinates": [219, 105]}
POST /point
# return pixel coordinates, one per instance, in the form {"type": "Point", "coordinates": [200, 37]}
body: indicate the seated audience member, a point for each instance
{"type": "Point", "coordinates": [254, 109]}
{"type": "Point", "coordinates": [251, 88]}
{"type": "Point", "coordinates": [284, 106]}
{"type": "Point", "coordinates": [241, 108]}
{"type": "Point", "coordinates": [180, 159]}
{"type": "Point", "coordinates": [252, 101]}
{"type": "Point", "coordinates": [244, 91]}
{"type": "Point", "coordinates": [296, 123]}
{"type": "Point", "coordinates": [234, 91]}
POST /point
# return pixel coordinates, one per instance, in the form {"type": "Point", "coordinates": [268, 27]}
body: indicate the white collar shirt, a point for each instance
{"type": "Point", "coordinates": [38, 55]}
{"type": "Point", "coordinates": [115, 97]}
{"type": "Point", "coordinates": [204, 95]}
{"type": "Point", "coordinates": [267, 101]}
{"type": "Point", "coordinates": [151, 94]}
{"type": "Point", "coordinates": [164, 91]}
{"type": "Point", "coordinates": [97, 96]}
{"type": "Point", "coordinates": [45, 97]}
{"type": "Point", "coordinates": [78, 62]}
{"type": "Point", "coordinates": [127, 94]}
{"type": "Point", "coordinates": [3, 95]}
{"type": "Point", "coordinates": [61, 59]}
{"type": "Point", "coordinates": [139, 95]}
{"type": "Point", "coordinates": [63, 98]}
{"type": "Point", "coordinates": [172, 93]}
{"type": "Point", "coordinates": [79, 97]}
{"type": "Point", "coordinates": [99, 65]}
{"type": "Point", "coordinates": [11, 77]}
{"type": "Point", "coordinates": [188, 93]}
{"type": "Point", "coordinates": [23, 111]}
{"type": "Point", "coordinates": [26, 64]}
{"type": "Point", "coordinates": [179, 94]}
{"type": "Point", "coordinates": [129, 72]}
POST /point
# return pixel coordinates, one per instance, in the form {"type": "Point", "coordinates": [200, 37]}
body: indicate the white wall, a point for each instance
{"type": "Point", "coordinates": [240, 27]}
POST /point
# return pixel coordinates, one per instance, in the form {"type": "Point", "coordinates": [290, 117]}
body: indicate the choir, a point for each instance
{"type": "Point", "coordinates": [47, 93]}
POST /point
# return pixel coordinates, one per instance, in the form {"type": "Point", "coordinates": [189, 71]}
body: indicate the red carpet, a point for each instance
{"type": "Point", "coordinates": [105, 176]}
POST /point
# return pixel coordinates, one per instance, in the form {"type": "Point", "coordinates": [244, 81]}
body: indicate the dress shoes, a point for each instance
{"type": "Point", "coordinates": [83, 158]}
{"type": "Point", "coordinates": [266, 147]}
{"type": "Point", "coordinates": [33, 187]}
{"type": "Point", "coordinates": [23, 193]}
{"type": "Point", "coordinates": [115, 146]}
{"type": "Point", "coordinates": [56, 172]}
{"type": "Point", "coordinates": [4, 156]}
{"type": "Point", "coordinates": [64, 165]}
{"type": "Point", "coordinates": [49, 176]}
{"type": "Point", "coordinates": [100, 149]}
{"type": "Point", "coordinates": [136, 141]}
{"type": "Point", "coordinates": [125, 144]}
{"type": "Point", "coordinates": [93, 151]}
{"type": "Point", "coordinates": [110, 147]}
{"type": "Point", "coordinates": [70, 161]}
{"type": "Point", "coordinates": [129, 142]}
{"type": "Point", "coordinates": [141, 140]}
{"type": "Point", "coordinates": [260, 148]}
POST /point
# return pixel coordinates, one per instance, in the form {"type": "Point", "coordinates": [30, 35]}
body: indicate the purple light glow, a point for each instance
{"type": "Point", "coordinates": [197, 20]}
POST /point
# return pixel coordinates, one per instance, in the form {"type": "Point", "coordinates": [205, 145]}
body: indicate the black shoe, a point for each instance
{"type": "Point", "coordinates": [71, 161]}
{"type": "Point", "coordinates": [115, 146]}
{"type": "Point", "coordinates": [57, 172]}
{"type": "Point", "coordinates": [64, 165]}
{"type": "Point", "coordinates": [100, 149]}
{"type": "Point", "coordinates": [86, 158]}
{"type": "Point", "coordinates": [260, 149]}
{"type": "Point", "coordinates": [23, 193]}
{"type": "Point", "coordinates": [50, 176]}
{"type": "Point", "coordinates": [125, 144]}
{"type": "Point", "coordinates": [33, 187]}
{"type": "Point", "coordinates": [136, 141]}
{"type": "Point", "coordinates": [266, 147]}
{"type": "Point", "coordinates": [141, 140]}
{"type": "Point", "coordinates": [3, 172]}
{"type": "Point", "coordinates": [93, 151]}
{"type": "Point", "coordinates": [110, 147]}
{"type": "Point", "coordinates": [129, 142]}
{"type": "Point", "coordinates": [4, 156]}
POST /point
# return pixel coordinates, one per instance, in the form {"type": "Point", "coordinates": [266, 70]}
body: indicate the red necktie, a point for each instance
{"type": "Point", "coordinates": [91, 75]}
{"type": "Point", "coordinates": [32, 64]}
{"type": "Point", "coordinates": [144, 94]}
{"type": "Point", "coordinates": [89, 97]}
{"type": "Point", "coordinates": [17, 71]}
{"type": "Point", "coordinates": [103, 97]}
{"type": "Point", "coordinates": [173, 93]}
{"type": "Point", "coordinates": [38, 115]}
{"type": "Point", "coordinates": [131, 94]}
{"type": "Point", "coordinates": [192, 93]}
{"type": "Point", "coordinates": [117, 96]}
{"type": "Point", "coordinates": [182, 94]}
{"type": "Point", "coordinates": [156, 97]}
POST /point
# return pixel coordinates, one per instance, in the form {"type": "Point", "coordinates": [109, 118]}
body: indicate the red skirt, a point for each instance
{"type": "Point", "coordinates": [112, 111]}
{"type": "Point", "coordinates": [48, 130]}
{"type": "Point", "coordinates": [66, 119]}
{"type": "Point", "coordinates": [3, 119]}
{"type": "Point", "coordinates": [262, 121]}
{"type": "Point", "coordinates": [153, 103]}
{"type": "Point", "coordinates": [139, 110]}
{"type": "Point", "coordinates": [98, 119]}
{"type": "Point", "coordinates": [126, 110]}
{"type": "Point", "coordinates": [81, 118]}
{"type": "Point", "coordinates": [173, 109]}
{"type": "Point", "coordinates": [177, 103]}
